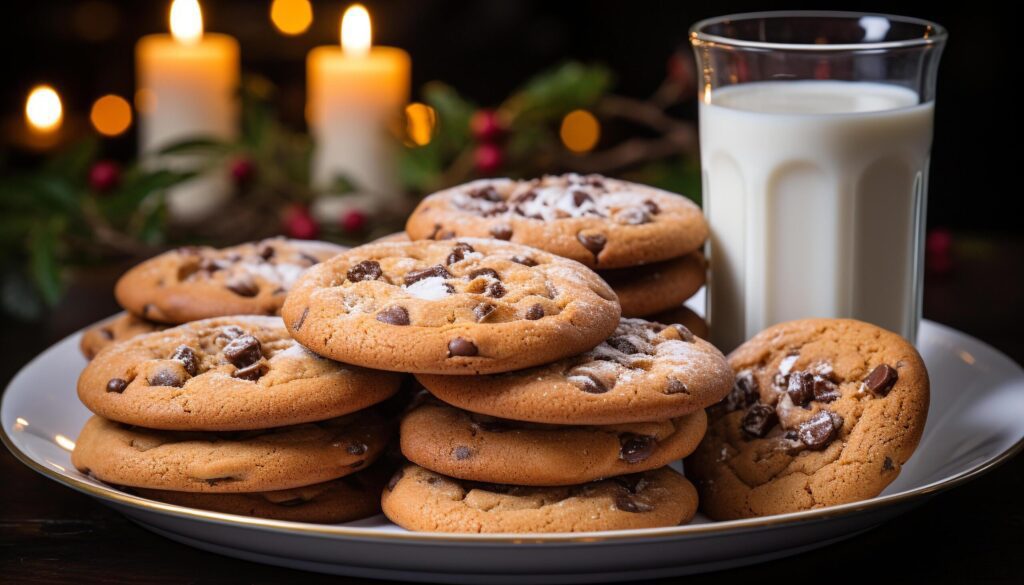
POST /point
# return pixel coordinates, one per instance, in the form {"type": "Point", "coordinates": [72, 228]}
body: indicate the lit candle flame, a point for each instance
{"type": "Point", "coordinates": [356, 32]}
{"type": "Point", "coordinates": [186, 21]}
{"type": "Point", "coordinates": [43, 109]}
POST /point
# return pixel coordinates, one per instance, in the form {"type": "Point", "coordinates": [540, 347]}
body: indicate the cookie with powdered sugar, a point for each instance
{"type": "Point", "coordinates": [601, 222]}
{"type": "Point", "coordinates": [191, 283]}
{"type": "Point", "coordinates": [644, 371]}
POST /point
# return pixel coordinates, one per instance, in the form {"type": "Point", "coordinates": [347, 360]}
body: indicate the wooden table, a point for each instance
{"type": "Point", "coordinates": [50, 534]}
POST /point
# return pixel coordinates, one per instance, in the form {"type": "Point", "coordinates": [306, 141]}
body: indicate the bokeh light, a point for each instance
{"type": "Point", "coordinates": [420, 123]}
{"type": "Point", "coordinates": [580, 131]}
{"type": "Point", "coordinates": [43, 109]}
{"type": "Point", "coordinates": [291, 17]}
{"type": "Point", "coordinates": [111, 115]}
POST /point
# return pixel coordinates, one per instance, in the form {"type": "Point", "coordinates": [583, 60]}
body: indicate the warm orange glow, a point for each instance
{"type": "Point", "coordinates": [43, 109]}
{"type": "Point", "coordinates": [420, 122]}
{"type": "Point", "coordinates": [580, 131]}
{"type": "Point", "coordinates": [111, 115]}
{"type": "Point", "coordinates": [291, 17]}
{"type": "Point", "coordinates": [186, 21]}
{"type": "Point", "coordinates": [356, 31]}
{"type": "Point", "coordinates": [145, 100]}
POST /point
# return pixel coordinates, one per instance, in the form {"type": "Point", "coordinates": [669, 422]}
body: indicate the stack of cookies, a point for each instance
{"type": "Point", "coordinates": [642, 241]}
{"type": "Point", "coordinates": [194, 283]}
{"type": "Point", "coordinates": [232, 415]}
{"type": "Point", "coordinates": [548, 414]}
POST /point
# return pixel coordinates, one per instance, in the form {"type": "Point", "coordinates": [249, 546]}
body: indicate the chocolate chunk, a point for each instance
{"type": "Point", "coordinates": [622, 344]}
{"type": "Point", "coordinates": [536, 311]}
{"type": "Point", "coordinates": [759, 419]}
{"type": "Point", "coordinates": [496, 209]}
{"type": "Point", "coordinates": [243, 285]}
{"type": "Point", "coordinates": [309, 259]}
{"type": "Point", "coordinates": [487, 193]}
{"type": "Point", "coordinates": [483, 311]}
{"type": "Point", "coordinates": [459, 252]}
{"type": "Point", "coordinates": [744, 392]}
{"type": "Point", "coordinates": [800, 388]}
{"type": "Point", "coordinates": [117, 385]}
{"type": "Point", "coordinates": [356, 448]}
{"type": "Point", "coordinates": [395, 315]}
{"type": "Point", "coordinates": [397, 477]}
{"type": "Point", "coordinates": [881, 380]}
{"type": "Point", "coordinates": [593, 242]}
{"type": "Point", "coordinates": [684, 333]}
{"type": "Point", "coordinates": [636, 448]}
{"type": "Point", "coordinates": [188, 358]}
{"type": "Point", "coordinates": [418, 275]}
{"type": "Point", "coordinates": [365, 270]}
{"type": "Point", "coordinates": [461, 453]}
{"type": "Point", "coordinates": [580, 197]}
{"type": "Point", "coordinates": [632, 216]}
{"type": "Point", "coordinates": [651, 207]}
{"type": "Point", "coordinates": [588, 383]}
{"type": "Point", "coordinates": [251, 372]}
{"type": "Point", "coordinates": [887, 464]}
{"type": "Point", "coordinates": [165, 377]}
{"type": "Point", "coordinates": [266, 252]}
{"type": "Point", "coordinates": [676, 387]}
{"type": "Point", "coordinates": [820, 430]}
{"type": "Point", "coordinates": [628, 503]}
{"type": "Point", "coordinates": [525, 196]}
{"type": "Point", "coordinates": [230, 332]}
{"type": "Point", "coordinates": [495, 290]}
{"type": "Point", "coordinates": [524, 260]}
{"type": "Point", "coordinates": [302, 319]}
{"type": "Point", "coordinates": [501, 232]}
{"type": "Point", "coordinates": [825, 390]}
{"type": "Point", "coordinates": [461, 347]}
{"type": "Point", "coordinates": [243, 351]}
{"type": "Point", "coordinates": [484, 272]}
{"type": "Point", "coordinates": [633, 482]}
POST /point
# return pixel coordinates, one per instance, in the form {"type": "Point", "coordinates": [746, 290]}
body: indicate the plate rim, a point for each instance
{"type": "Point", "coordinates": [108, 495]}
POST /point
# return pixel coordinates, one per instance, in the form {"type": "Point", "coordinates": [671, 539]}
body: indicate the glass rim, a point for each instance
{"type": "Point", "coordinates": [938, 33]}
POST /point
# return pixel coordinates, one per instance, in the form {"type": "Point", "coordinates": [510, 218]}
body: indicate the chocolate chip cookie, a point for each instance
{"type": "Point", "coordinates": [194, 283]}
{"type": "Point", "coordinates": [117, 328]}
{"type": "Point", "coordinates": [421, 500]}
{"type": "Point", "coordinates": [823, 412]}
{"type": "Point", "coordinates": [242, 461]}
{"type": "Point", "coordinates": [464, 306]}
{"type": "Point", "coordinates": [483, 448]}
{"type": "Point", "coordinates": [601, 222]}
{"type": "Point", "coordinates": [684, 316]}
{"type": "Point", "coordinates": [224, 374]}
{"type": "Point", "coordinates": [644, 290]}
{"type": "Point", "coordinates": [644, 371]}
{"type": "Point", "coordinates": [349, 498]}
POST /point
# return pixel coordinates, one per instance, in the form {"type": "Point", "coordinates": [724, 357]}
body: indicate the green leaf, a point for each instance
{"type": "Point", "coordinates": [73, 163]}
{"type": "Point", "coordinates": [151, 228]}
{"type": "Point", "coordinates": [139, 185]}
{"type": "Point", "coordinates": [453, 115]}
{"type": "Point", "coordinates": [47, 193]}
{"type": "Point", "coordinates": [43, 264]}
{"type": "Point", "coordinates": [196, 146]}
{"type": "Point", "coordinates": [552, 94]}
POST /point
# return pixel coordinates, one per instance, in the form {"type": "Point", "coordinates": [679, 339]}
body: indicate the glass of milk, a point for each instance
{"type": "Point", "coordinates": [815, 131]}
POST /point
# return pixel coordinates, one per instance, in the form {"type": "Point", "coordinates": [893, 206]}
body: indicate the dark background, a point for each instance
{"type": "Point", "coordinates": [487, 48]}
{"type": "Point", "coordinates": [50, 534]}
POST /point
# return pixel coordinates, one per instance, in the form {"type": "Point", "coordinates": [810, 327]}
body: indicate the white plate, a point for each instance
{"type": "Point", "coordinates": [976, 422]}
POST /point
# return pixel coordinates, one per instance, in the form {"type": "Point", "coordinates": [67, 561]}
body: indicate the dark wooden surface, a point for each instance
{"type": "Point", "coordinates": [50, 534]}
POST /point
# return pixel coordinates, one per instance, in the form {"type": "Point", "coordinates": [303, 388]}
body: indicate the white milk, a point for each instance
{"type": "Point", "coordinates": [815, 192]}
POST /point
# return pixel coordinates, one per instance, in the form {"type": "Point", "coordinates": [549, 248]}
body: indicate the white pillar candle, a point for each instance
{"type": "Point", "coordinates": [187, 84]}
{"type": "Point", "coordinates": [354, 91]}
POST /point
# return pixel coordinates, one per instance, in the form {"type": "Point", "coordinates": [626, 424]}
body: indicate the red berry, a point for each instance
{"type": "Point", "coordinates": [485, 126]}
{"type": "Point", "coordinates": [104, 176]}
{"type": "Point", "coordinates": [299, 224]}
{"type": "Point", "coordinates": [488, 158]}
{"type": "Point", "coordinates": [353, 220]}
{"type": "Point", "coordinates": [242, 170]}
{"type": "Point", "coordinates": [938, 258]}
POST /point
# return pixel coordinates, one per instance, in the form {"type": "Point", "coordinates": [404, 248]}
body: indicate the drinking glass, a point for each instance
{"type": "Point", "coordinates": [815, 134]}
